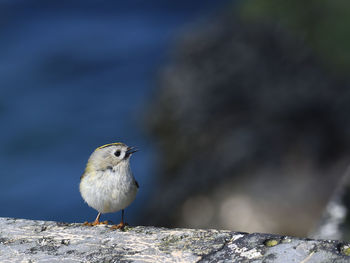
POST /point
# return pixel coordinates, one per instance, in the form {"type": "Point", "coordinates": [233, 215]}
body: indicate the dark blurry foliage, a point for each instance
{"type": "Point", "coordinates": [324, 24]}
{"type": "Point", "coordinates": [247, 107]}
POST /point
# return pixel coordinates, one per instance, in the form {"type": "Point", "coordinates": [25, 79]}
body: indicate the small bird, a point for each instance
{"type": "Point", "coordinates": [108, 184]}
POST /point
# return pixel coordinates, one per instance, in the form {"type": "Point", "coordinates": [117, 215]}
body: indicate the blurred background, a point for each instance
{"type": "Point", "coordinates": [239, 108]}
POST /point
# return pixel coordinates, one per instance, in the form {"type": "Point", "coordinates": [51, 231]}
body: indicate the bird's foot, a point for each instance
{"type": "Point", "coordinates": [95, 223]}
{"type": "Point", "coordinates": [86, 223]}
{"type": "Point", "coordinates": [120, 226]}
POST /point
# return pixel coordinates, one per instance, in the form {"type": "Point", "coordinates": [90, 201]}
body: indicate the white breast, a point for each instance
{"type": "Point", "coordinates": [110, 190]}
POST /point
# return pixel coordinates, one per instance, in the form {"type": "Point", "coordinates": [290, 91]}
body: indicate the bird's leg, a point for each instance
{"type": "Point", "coordinates": [96, 222]}
{"type": "Point", "coordinates": [122, 224]}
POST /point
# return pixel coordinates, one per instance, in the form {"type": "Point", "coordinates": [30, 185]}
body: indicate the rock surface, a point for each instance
{"type": "Point", "coordinates": [43, 241]}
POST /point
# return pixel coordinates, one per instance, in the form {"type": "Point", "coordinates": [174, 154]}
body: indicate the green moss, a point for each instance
{"type": "Point", "coordinates": [271, 242]}
{"type": "Point", "coordinates": [286, 240]}
{"type": "Point", "coordinates": [345, 250]}
{"type": "Point", "coordinates": [126, 228]}
{"type": "Point", "coordinates": [168, 242]}
{"type": "Point", "coordinates": [172, 239]}
{"type": "Point", "coordinates": [142, 230]}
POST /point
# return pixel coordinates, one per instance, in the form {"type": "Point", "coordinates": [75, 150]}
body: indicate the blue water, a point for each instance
{"type": "Point", "coordinates": [74, 76]}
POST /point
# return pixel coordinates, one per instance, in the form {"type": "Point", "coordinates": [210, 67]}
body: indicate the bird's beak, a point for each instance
{"type": "Point", "coordinates": [131, 150]}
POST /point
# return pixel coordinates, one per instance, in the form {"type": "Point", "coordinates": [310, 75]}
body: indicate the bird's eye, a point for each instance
{"type": "Point", "coordinates": [117, 153]}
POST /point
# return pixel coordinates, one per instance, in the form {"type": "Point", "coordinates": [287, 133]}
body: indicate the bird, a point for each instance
{"type": "Point", "coordinates": [108, 184]}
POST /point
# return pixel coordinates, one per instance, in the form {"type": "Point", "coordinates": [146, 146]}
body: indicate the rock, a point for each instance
{"type": "Point", "coordinates": [44, 241]}
{"type": "Point", "coordinates": [335, 222]}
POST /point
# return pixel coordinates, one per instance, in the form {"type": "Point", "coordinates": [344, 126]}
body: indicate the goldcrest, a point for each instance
{"type": "Point", "coordinates": [108, 184]}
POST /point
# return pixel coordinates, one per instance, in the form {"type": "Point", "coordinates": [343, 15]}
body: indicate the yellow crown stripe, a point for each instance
{"type": "Point", "coordinates": [109, 144]}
